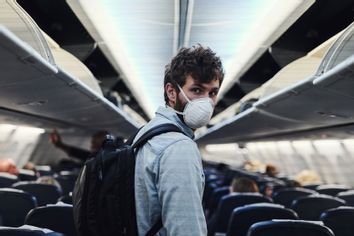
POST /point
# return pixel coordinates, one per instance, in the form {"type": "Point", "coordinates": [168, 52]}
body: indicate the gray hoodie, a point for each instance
{"type": "Point", "coordinates": [169, 180]}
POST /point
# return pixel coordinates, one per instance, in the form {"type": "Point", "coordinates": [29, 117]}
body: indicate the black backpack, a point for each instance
{"type": "Point", "coordinates": [103, 196]}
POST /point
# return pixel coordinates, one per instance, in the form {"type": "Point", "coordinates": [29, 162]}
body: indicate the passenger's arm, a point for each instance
{"type": "Point", "coordinates": [180, 187]}
{"type": "Point", "coordinates": [78, 153]}
{"type": "Point", "coordinates": [72, 151]}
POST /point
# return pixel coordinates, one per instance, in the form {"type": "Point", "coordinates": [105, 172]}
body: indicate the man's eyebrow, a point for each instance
{"type": "Point", "coordinates": [204, 87]}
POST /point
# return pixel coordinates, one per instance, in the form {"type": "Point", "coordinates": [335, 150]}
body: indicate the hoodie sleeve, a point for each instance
{"type": "Point", "coordinates": [180, 189]}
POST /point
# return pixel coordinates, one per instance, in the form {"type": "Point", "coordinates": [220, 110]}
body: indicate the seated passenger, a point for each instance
{"type": "Point", "coordinates": [8, 166]}
{"type": "Point", "coordinates": [48, 180]}
{"type": "Point", "coordinates": [238, 185]}
{"type": "Point", "coordinates": [307, 177]}
{"type": "Point", "coordinates": [271, 170]}
{"type": "Point", "coordinates": [242, 185]}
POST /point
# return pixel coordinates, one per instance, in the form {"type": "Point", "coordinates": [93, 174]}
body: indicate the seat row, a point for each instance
{"type": "Point", "coordinates": [306, 204]}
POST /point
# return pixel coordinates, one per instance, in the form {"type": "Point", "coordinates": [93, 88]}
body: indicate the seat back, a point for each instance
{"type": "Point", "coordinates": [14, 206]}
{"type": "Point", "coordinates": [26, 175]}
{"type": "Point", "coordinates": [347, 196]}
{"type": "Point", "coordinates": [45, 193]}
{"type": "Point", "coordinates": [216, 197]}
{"type": "Point", "coordinates": [26, 231]}
{"type": "Point", "coordinates": [67, 183]}
{"type": "Point", "coordinates": [286, 196]}
{"type": "Point", "coordinates": [289, 228]}
{"type": "Point", "coordinates": [339, 220]}
{"type": "Point", "coordinates": [331, 189]}
{"type": "Point", "coordinates": [58, 218]}
{"type": "Point", "coordinates": [230, 202]}
{"type": "Point", "coordinates": [311, 186]}
{"type": "Point", "coordinates": [208, 190]}
{"type": "Point", "coordinates": [311, 207]}
{"type": "Point", "coordinates": [68, 199]}
{"type": "Point", "coordinates": [243, 217]}
{"type": "Point", "coordinates": [6, 180]}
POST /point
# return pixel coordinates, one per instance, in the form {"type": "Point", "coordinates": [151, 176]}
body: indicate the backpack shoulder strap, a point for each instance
{"type": "Point", "coordinates": [155, 228]}
{"type": "Point", "coordinates": [160, 129]}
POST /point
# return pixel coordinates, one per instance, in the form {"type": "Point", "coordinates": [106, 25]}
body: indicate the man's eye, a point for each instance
{"type": "Point", "coordinates": [196, 90]}
{"type": "Point", "coordinates": [213, 94]}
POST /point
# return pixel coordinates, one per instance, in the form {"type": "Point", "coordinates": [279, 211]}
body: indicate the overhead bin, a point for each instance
{"type": "Point", "coordinates": [44, 94]}
{"type": "Point", "coordinates": [322, 101]}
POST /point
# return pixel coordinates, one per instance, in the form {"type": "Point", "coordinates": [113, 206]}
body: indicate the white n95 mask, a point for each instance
{"type": "Point", "coordinates": [197, 112]}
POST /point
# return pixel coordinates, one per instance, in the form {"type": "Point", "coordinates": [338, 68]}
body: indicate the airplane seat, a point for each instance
{"type": "Point", "coordinates": [66, 182]}
{"type": "Point", "coordinates": [243, 217]}
{"type": "Point", "coordinates": [287, 195]}
{"type": "Point", "coordinates": [45, 193]}
{"type": "Point", "coordinates": [27, 230]}
{"type": "Point", "coordinates": [215, 197]}
{"type": "Point", "coordinates": [339, 220]}
{"type": "Point", "coordinates": [311, 186]}
{"type": "Point", "coordinates": [347, 196]}
{"type": "Point", "coordinates": [6, 180]}
{"type": "Point", "coordinates": [264, 184]}
{"type": "Point", "coordinates": [331, 189]}
{"type": "Point", "coordinates": [68, 199]}
{"type": "Point", "coordinates": [221, 217]}
{"type": "Point", "coordinates": [14, 206]}
{"type": "Point", "coordinates": [45, 170]}
{"type": "Point", "coordinates": [58, 218]}
{"type": "Point", "coordinates": [311, 207]}
{"type": "Point", "coordinates": [209, 188]}
{"type": "Point", "coordinates": [289, 228]}
{"type": "Point", "coordinates": [27, 175]}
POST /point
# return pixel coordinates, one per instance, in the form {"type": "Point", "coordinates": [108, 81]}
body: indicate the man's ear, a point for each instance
{"type": "Point", "coordinates": [171, 94]}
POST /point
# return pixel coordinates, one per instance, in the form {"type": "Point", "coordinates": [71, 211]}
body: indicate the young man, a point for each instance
{"type": "Point", "coordinates": [169, 179]}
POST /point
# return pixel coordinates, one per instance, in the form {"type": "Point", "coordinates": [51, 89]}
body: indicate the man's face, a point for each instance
{"type": "Point", "coordinates": [96, 142]}
{"type": "Point", "coordinates": [194, 89]}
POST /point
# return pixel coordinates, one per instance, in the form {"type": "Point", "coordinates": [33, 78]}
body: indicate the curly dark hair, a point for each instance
{"type": "Point", "coordinates": [199, 62]}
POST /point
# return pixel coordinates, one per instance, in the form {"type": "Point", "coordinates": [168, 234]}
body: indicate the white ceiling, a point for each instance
{"type": "Point", "coordinates": [142, 36]}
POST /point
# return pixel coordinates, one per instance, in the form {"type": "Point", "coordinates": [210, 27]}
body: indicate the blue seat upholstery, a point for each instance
{"type": "Point", "coordinates": [215, 198]}
{"type": "Point", "coordinates": [67, 183]}
{"type": "Point", "coordinates": [45, 193]}
{"type": "Point", "coordinates": [311, 207]}
{"type": "Point", "coordinates": [58, 218]}
{"type": "Point", "coordinates": [26, 231]}
{"type": "Point", "coordinates": [209, 189]}
{"type": "Point", "coordinates": [331, 189]}
{"type": "Point", "coordinates": [68, 199]}
{"type": "Point", "coordinates": [228, 203]}
{"type": "Point", "coordinates": [289, 228]}
{"type": "Point", "coordinates": [14, 206]}
{"type": "Point", "coordinates": [339, 220]}
{"type": "Point", "coordinates": [311, 186]}
{"type": "Point", "coordinates": [6, 180]}
{"type": "Point", "coordinates": [347, 196]}
{"type": "Point", "coordinates": [286, 196]}
{"type": "Point", "coordinates": [27, 175]}
{"type": "Point", "coordinates": [243, 217]}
